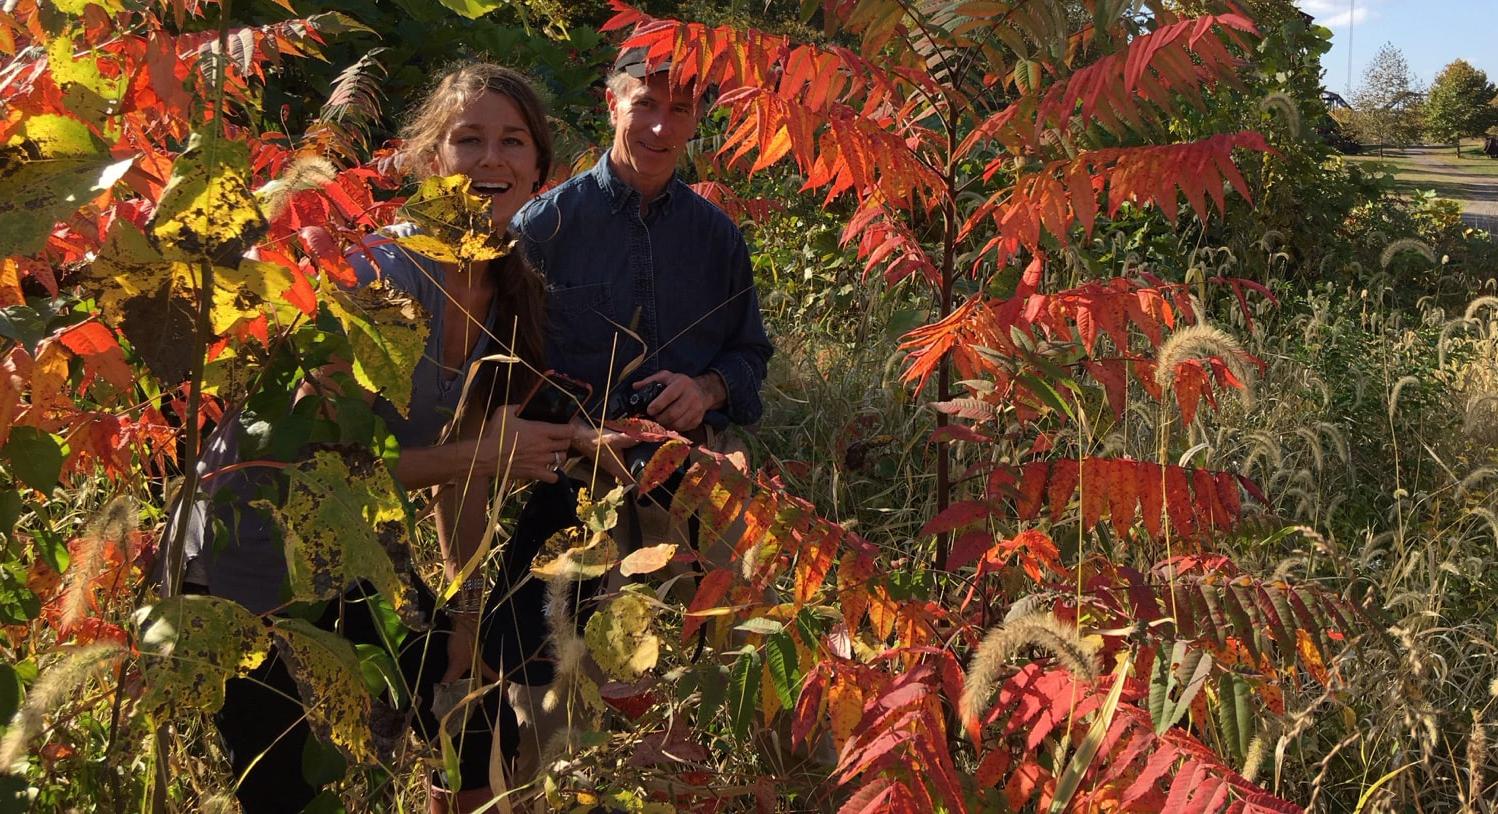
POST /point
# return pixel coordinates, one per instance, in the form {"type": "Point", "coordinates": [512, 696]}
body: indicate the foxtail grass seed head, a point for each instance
{"type": "Point", "coordinates": [1199, 341]}
{"type": "Point", "coordinates": [57, 684]}
{"type": "Point", "coordinates": [1040, 630]}
{"type": "Point", "coordinates": [1408, 244]}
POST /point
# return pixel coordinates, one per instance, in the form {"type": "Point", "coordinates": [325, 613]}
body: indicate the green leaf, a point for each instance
{"type": "Point", "coordinates": [743, 691]}
{"type": "Point", "coordinates": [36, 193]}
{"type": "Point", "coordinates": [322, 764]}
{"type": "Point", "coordinates": [10, 511]}
{"type": "Point", "coordinates": [761, 625]}
{"type": "Point", "coordinates": [207, 209]}
{"type": "Point", "coordinates": [35, 457]}
{"type": "Point", "coordinates": [328, 679]}
{"type": "Point", "coordinates": [326, 802]}
{"type": "Point", "coordinates": [379, 672]}
{"type": "Point", "coordinates": [10, 692]}
{"type": "Point", "coordinates": [387, 332]}
{"type": "Point", "coordinates": [23, 324]}
{"type": "Point", "coordinates": [620, 639]}
{"type": "Point", "coordinates": [714, 681]}
{"type": "Point", "coordinates": [474, 9]}
{"type": "Point", "coordinates": [344, 519]}
{"type": "Point", "coordinates": [18, 605]}
{"type": "Point", "coordinates": [191, 644]}
{"type": "Point", "coordinates": [784, 668]}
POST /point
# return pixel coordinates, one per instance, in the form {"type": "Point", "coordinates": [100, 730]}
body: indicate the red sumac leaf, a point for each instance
{"type": "Point", "coordinates": [956, 516]}
{"type": "Point", "coordinates": [710, 592]}
{"type": "Point", "coordinates": [1032, 489]}
{"type": "Point", "coordinates": [666, 460]}
{"type": "Point", "coordinates": [1063, 482]}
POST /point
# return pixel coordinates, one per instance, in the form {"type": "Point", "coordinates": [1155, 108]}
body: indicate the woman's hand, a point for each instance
{"type": "Point", "coordinates": [605, 447]}
{"type": "Point", "coordinates": [518, 449]}
{"type": "Point", "coordinates": [462, 641]}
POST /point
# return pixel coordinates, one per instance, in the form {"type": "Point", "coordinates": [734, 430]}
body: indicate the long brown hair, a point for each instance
{"type": "Point", "coordinates": [520, 294]}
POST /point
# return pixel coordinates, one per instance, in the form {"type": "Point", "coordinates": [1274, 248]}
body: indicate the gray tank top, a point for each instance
{"type": "Point", "coordinates": [250, 566]}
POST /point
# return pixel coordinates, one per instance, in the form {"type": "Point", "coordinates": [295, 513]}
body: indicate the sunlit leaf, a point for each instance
{"type": "Point", "coordinates": [474, 9]}
{"type": "Point", "coordinates": [344, 520]}
{"type": "Point", "coordinates": [576, 554]}
{"type": "Point", "coordinates": [327, 676]}
{"type": "Point", "coordinates": [191, 644]}
{"type": "Point", "coordinates": [46, 178]}
{"type": "Point", "coordinates": [647, 560]}
{"type": "Point", "coordinates": [207, 209]}
{"type": "Point", "coordinates": [456, 225]}
{"type": "Point", "coordinates": [620, 639]}
{"type": "Point", "coordinates": [387, 330]}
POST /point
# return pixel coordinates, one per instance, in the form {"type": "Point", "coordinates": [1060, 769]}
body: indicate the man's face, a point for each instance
{"type": "Point", "coordinates": [651, 127]}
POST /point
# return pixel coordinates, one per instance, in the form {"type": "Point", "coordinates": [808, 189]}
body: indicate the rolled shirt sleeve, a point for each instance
{"type": "Point", "coordinates": [744, 358]}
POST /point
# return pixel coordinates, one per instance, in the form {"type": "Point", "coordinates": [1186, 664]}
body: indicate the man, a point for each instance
{"type": "Point", "coordinates": [647, 284]}
{"type": "Point", "coordinates": [638, 266]}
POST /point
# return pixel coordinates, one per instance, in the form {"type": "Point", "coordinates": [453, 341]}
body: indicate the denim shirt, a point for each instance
{"type": "Point", "coordinates": [674, 287]}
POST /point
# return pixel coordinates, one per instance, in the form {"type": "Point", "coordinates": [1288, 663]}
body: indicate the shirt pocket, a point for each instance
{"type": "Point", "coordinates": [576, 299]}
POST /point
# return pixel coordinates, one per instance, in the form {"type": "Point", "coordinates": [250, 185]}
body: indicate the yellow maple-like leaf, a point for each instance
{"type": "Point", "coordinates": [387, 332]}
{"type": "Point", "coordinates": [48, 170]}
{"type": "Point", "coordinates": [344, 520]}
{"type": "Point", "coordinates": [190, 645]}
{"type": "Point", "coordinates": [620, 639]}
{"type": "Point", "coordinates": [326, 670]}
{"type": "Point", "coordinates": [576, 554]}
{"type": "Point", "coordinates": [207, 209]}
{"type": "Point", "coordinates": [456, 225]}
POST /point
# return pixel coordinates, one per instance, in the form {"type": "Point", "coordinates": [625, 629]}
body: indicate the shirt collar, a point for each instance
{"type": "Point", "coordinates": [622, 194]}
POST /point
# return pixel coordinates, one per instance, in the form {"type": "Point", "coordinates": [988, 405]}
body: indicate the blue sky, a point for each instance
{"type": "Point", "coordinates": [1431, 33]}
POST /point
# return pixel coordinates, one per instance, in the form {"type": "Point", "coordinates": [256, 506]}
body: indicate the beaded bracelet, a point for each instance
{"type": "Point", "coordinates": [470, 595]}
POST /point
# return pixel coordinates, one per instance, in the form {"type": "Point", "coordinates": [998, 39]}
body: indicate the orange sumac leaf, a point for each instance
{"type": "Point", "coordinates": [710, 592]}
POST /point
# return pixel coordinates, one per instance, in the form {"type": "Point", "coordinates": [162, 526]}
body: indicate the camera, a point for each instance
{"type": "Point", "coordinates": [631, 403]}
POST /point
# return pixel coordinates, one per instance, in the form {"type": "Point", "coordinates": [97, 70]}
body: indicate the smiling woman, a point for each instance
{"type": "Point", "coordinates": [484, 122]}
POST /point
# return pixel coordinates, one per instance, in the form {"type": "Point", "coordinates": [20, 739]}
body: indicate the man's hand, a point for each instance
{"type": "Point", "coordinates": [686, 399]}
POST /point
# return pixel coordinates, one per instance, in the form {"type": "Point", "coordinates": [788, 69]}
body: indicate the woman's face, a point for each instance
{"type": "Point", "coordinates": [489, 142]}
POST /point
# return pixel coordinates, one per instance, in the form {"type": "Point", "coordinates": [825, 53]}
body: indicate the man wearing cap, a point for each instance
{"type": "Point", "coordinates": [637, 265]}
{"type": "Point", "coordinates": [648, 286]}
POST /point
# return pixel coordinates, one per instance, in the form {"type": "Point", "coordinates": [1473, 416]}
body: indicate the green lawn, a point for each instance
{"type": "Point", "coordinates": [1471, 180]}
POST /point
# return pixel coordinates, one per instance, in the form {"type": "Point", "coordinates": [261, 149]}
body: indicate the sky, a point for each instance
{"type": "Point", "coordinates": [1431, 33]}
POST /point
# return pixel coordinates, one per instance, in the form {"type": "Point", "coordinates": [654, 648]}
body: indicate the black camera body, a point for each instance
{"type": "Point", "coordinates": [632, 403]}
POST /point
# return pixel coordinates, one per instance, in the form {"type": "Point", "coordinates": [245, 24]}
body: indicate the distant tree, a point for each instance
{"type": "Point", "coordinates": [1387, 105]}
{"type": "Point", "coordinates": [1459, 104]}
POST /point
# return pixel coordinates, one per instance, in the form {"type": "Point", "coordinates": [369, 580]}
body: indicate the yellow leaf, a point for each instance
{"type": "Point", "coordinates": [456, 225]}
{"type": "Point", "coordinates": [190, 645]}
{"type": "Point", "coordinates": [35, 193]}
{"type": "Point", "coordinates": [327, 676]}
{"type": "Point", "coordinates": [575, 554]}
{"type": "Point", "coordinates": [845, 706]}
{"type": "Point", "coordinates": [647, 560]}
{"type": "Point", "coordinates": [620, 639]}
{"type": "Point", "coordinates": [207, 209]}
{"type": "Point", "coordinates": [387, 331]}
{"type": "Point", "coordinates": [344, 520]}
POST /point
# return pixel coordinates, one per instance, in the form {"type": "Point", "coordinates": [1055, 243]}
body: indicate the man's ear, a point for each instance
{"type": "Point", "coordinates": [609, 99]}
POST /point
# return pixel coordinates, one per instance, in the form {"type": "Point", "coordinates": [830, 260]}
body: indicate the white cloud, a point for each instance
{"type": "Point", "coordinates": [1338, 13]}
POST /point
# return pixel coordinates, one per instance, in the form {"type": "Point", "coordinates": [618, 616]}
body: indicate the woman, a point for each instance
{"type": "Point", "coordinates": [485, 122]}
